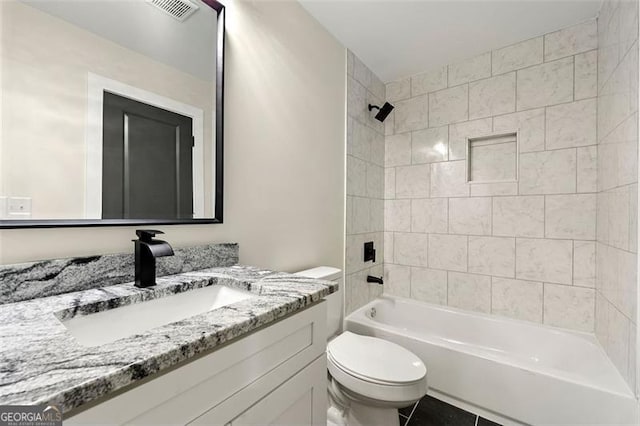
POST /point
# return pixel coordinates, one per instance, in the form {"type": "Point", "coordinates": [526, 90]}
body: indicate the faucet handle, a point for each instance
{"type": "Point", "coordinates": [147, 235]}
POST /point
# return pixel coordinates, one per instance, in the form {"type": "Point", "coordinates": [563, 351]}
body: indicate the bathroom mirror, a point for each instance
{"type": "Point", "coordinates": [111, 112]}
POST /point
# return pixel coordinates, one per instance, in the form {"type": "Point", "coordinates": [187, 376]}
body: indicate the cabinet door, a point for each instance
{"type": "Point", "coordinates": [301, 400]}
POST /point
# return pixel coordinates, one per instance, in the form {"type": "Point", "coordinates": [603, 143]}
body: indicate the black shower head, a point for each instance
{"type": "Point", "coordinates": [382, 112]}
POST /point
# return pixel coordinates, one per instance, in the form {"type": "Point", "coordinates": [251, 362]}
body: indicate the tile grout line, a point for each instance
{"type": "Point", "coordinates": [411, 413]}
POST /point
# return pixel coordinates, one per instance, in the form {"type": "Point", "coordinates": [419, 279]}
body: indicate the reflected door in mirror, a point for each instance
{"type": "Point", "coordinates": [147, 161]}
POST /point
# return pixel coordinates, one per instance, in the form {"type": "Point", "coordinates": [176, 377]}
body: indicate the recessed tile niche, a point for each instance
{"type": "Point", "coordinates": [492, 158]}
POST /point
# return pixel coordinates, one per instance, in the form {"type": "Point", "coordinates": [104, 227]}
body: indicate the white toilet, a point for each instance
{"type": "Point", "coordinates": [369, 378]}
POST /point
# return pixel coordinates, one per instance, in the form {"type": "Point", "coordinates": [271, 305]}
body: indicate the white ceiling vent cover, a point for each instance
{"type": "Point", "coordinates": [178, 9]}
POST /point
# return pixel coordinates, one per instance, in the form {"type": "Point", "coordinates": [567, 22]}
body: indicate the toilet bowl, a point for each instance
{"type": "Point", "coordinates": [369, 378]}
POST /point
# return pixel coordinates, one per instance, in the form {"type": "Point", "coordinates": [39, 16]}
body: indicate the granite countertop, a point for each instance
{"type": "Point", "coordinates": [42, 363]}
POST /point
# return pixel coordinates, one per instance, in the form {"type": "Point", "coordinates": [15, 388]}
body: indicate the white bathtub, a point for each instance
{"type": "Point", "coordinates": [509, 371]}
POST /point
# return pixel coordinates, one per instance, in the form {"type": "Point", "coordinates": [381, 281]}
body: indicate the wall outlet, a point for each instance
{"type": "Point", "coordinates": [19, 208]}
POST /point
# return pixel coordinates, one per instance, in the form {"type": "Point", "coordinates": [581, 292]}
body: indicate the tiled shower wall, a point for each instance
{"type": "Point", "coordinates": [617, 243]}
{"type": "Point", "coordinates": [365, 183]}
{"type": "Point", "coordinates": [523, 249]}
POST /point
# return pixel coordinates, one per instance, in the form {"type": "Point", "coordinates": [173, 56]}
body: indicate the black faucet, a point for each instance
{"type": "Point", "coordinates": [146, 251]}
{"type": "Point", "coordinates": [371, 279]}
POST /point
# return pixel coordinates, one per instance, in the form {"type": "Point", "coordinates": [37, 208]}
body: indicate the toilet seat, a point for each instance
{"type": "Point", "coordinates": [374, 369]}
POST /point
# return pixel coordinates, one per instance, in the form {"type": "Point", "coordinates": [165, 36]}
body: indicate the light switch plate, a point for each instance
{"type": "Point", "coordinates": [19, 208]}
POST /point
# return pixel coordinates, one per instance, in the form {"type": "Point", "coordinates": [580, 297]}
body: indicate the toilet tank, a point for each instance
{"type": "Point", "coordinates": [334, 300]}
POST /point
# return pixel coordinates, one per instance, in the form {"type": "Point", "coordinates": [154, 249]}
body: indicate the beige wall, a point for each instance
{"type": "Point", "coordinates": [284, 151]}
{"type": "Point", "coordinates": [45, 76]}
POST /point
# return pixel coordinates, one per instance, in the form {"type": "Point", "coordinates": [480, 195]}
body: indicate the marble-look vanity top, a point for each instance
{"type": "Point", "coordinates": [41, 362]}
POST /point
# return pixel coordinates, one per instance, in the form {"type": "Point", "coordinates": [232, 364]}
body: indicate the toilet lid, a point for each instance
{"type": "Point", "coordinates": [375, 359]}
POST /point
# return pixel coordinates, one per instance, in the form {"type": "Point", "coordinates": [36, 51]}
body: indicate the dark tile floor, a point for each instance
{"type": "Point", "coordinates": [433, 412]}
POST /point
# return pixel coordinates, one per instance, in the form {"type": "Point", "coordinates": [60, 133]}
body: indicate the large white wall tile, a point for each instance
{"type": "Point", "coordinates": [448, 106]}
{"type": "Point", "coordinates": [546, 84]}
{"type": "Point", "coordinates": [361, 219]}
{"type": "Point", "coordinates": [584, 263]}
{"type": "Point", "coordinates": [361, 140]}
{"type": "Point", "coordinates": [518, 216]}
{"type": "Point", "coordinates": [429, 285]}
{"type": "Point", "coordinates": [388, 247]}
{"type": "Point", "coordinates": [530, 127]}
{"type": "Point", "coordinates": [569, 307]}
{"type": "Point", "coordinates": [459, 133]}
{"type": "Point", "coordinates": [356, 291]}
{"type": "Point", "coordinates": [410, 248]}
{"type": "Point", "coordinates": [569, 41]}
{"type": "Point", "coordinates": [491, 189]}
{"type": "Point", "coordinates": [470, 216]}
{"type": "Point", "coordinates": [375, 181]}
{"type": "Point", "coordinates": [468, 291]}
{"type": "Point", "coordinates": [356, 176]}
{"type": "Point", "coordinates": [429, 81]}
{"type": "Point", "coordinates": [448, 252]}
{"type": "Point", "coordinates": [517, 299]}
{"type": "Point", "coordinates": [448, 179]}
{"type": "Point", "coordinates": [618, 217]}
{"type": "Point", "coordinates": [628, 25]}
{"type": "Point", "coordinates": [397, 215]}
{"type": "Point", "coordinates": [624, 295]}
{"type": "Point", "coordinates": [544, 260]}
{"type": "Point", "coordinates": [356, 100]}
{"type": "Point", "coordinates": [570, 216]}
{"type": "Point", "coordinates": [633, 219]}
{"type": "Point", "coordinates": [361, 73]}
{"type": "Point", "coordinates": [492, 96]}
{"type": "Point", "coordinates": [429, 215]}
{"type": "Point", "coordinates": [586, 75]}
{"type": "Point", "coordinates": [398, 90]}
{"type": "Point", "coordinates": [617, 344]}
{"type": "Point", "coordinates": [397, 150]}
{"type": "Point", "coordinates": [492, 256]}
{"type": "Point", "coordinates": [413, 181]}
{"type": "Point", "coordinates": [349, 214]}
{"type": "Point", "coordinates": [587, 166]}
{"type": "Point", "coordinates": [376, 215]}
{"type": "Point", "coordinates": [430, 145]}
{"type": "Point", "coordinates": [618, 98]}
{"type": "Point", "coordinates": [516, 56]}
{"type": "Point", "coordinates": [390, 124]}
{"type": "Point", "coordinates": [397, 280]}
{"type": "Point", "coordinates": [571, 125]}
{"type": "Point", "coordinates": [470, 69]}
{"type": "Point", "coordinates": [411, 114]}
{"type": "Point", "coordinates": [389, 183]}
{"type": "Point", "coordinates": [601, 319]}
{"type": "Point", "coordinates": [377, 149]}
{"type": "Point", "coordinates": [548, 172]}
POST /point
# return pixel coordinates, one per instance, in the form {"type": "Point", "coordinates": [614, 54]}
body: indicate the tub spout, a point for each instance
{"type": "Point", "coordinates": [372, 279]}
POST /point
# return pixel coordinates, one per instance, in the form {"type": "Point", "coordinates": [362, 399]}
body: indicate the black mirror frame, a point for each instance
{"type": "Point", "coordinates": [66, 223]}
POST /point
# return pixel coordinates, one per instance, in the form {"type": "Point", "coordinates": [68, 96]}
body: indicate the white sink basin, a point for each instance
{"type": "Point", "coordinates": [113, 324]}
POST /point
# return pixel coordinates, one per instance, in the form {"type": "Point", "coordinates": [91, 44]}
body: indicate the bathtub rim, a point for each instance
{"type": "Point", "coordinates": [621, 389]}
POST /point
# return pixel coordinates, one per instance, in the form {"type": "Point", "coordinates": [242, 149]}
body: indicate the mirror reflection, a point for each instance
{"type": "Point", "coordinates": [108, 109]}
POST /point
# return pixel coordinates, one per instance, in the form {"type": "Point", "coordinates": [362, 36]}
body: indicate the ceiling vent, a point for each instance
{"type": "Point", "coordinates": [177, 9]}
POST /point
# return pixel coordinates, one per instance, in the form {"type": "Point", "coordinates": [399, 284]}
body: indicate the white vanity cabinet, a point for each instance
{"type": "Point", "coordinates": [275, 375]}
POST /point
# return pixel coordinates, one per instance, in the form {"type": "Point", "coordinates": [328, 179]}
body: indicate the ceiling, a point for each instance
{"type": "Point", "coordinates": [136, 25]}
{"type": "Point", "coordinates": [399, 38]}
